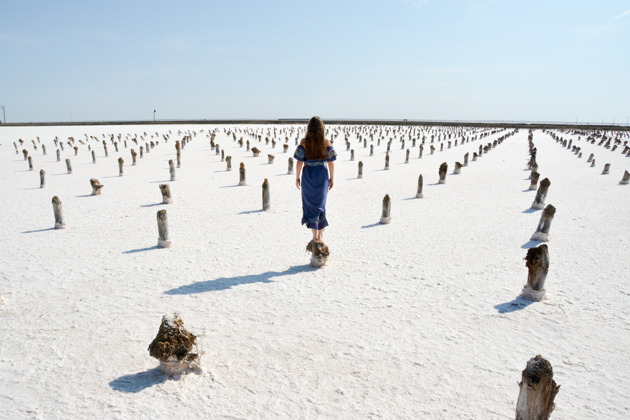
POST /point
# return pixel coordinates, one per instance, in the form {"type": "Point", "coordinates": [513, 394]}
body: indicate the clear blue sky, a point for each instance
{"type": "Point", "coordinates": [415, 59]}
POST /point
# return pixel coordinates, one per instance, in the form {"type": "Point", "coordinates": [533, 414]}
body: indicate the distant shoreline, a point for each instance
{"type": "Point", "coordinates": [524, 125]}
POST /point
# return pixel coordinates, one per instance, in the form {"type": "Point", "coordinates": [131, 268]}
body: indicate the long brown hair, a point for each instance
{"type": "Point", "coordinates": [314, 140]}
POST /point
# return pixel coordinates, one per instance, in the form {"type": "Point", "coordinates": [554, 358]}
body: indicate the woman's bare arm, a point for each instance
{"type": "Point", "coordinates": [331, 169]}
{"type": "Point", "coordinates": [298, 170]}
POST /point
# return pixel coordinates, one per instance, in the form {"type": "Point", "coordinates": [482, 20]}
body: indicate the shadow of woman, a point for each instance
{"type": "Point", "coordinates": [224, 283]}
{"type": "Point", "coordinates": [138, 381]}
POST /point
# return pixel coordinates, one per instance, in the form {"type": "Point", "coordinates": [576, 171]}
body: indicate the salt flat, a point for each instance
{"type": "Point", "coordinates": [415, 319]}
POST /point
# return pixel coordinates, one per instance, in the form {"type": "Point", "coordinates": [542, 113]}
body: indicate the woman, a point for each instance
{"type": "Point", "coordinates": [315, 153]}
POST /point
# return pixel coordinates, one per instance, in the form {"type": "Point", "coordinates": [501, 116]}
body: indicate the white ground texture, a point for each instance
{"type": "Point", "coordinates": [419, 318]}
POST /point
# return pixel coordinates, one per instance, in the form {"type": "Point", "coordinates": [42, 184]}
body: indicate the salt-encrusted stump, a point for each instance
{"type": "Point", "coordinates": [217, 149]}
{"type": "Point", "coordinates": [432, 149]}
{"type": "Point", "coordinates": [442, 172]}
{"type": "Point", "coordinates": [541, 194]}
{"type": "Point", "coordinates": [266, 199]}
{"type": "Point", "coordinates": [162, 222]}
{"type": "Point", "coordinates": [30, 163]}
{"type": "Point", "coordinates": [537, 391]}
{"type": "Point", "coordinates": [166, 194]}
{"type": "Point", "coordinates": [386, 216]}
{"type": "Point", "coordinates": [319, 254]}
{"type": "Point", "coordinates": [241, 173]}
{"type": "Point", "coordinates": [534, 177]}
{"type": "Point", "coordinates": [228, 162]}
{"type": "Point", "coordinates": [175, 347]}
{"type": "Point", "coordinates": [290, 168]}
{"type": "Point", "coordinates": [93, 157]}
{"type": "Point", "coordinates": [25, 153]}
{"type": "Point", "coordinates": [58, 211]}
{"type": "Point", "coordinates": [606, 170]}
{"type": "Point", "coordinates": [120, 166]}
{"type": "Point", "coordinates": [222, 155]}
{"type": "Point", "coordinates": [42, 178]}
{"type": "Point", "coordinates": [421, 151]}
{"type": "Point", "coordinates": [537, 263]}
{"type": "Point", "coordinates": [590, 158]}
{"type": "Point", "coordinates": [105, 148]}
{"type": "Point", "coordinates": [352, 155]}
{"type": "Point", "coordinates": [371, 150]}
{"type": "Point", "coordinates": [466, 159]}
{"type": "Point", "coordinates": [96, 186]}
{"type": "Point", "coordinates": [441, 147]}
{"type": "Point", "coordinates": [407, 156]}
{"type": "Point", "coordinates": [141, 151]}
{"type": "Point", "coordinates": [68, 166]}
{"type": "Point", "coordinates": [542, 231]}
{"type": "Point", "coordinates": [76, 150]}
{"type": "Point", "coordinates": [255, 151]}
{"type": "Point", "coordinates": [270, 159]}
{"type": "Point", "coordinates": [474, 156]}
{"type": "Point", "coordinates": [458, 168]}
{"type": "Point", "coordinates": [247, 145]}
{"type": "Point", "coordinates": [171, 168]}
{"type": "Point", "coordinates": [420, 183]}
{"type": "Point", "coordinates": [179, 158]}
{"type": "Point", "coordinates": [285, 148]}
{"type": "Point", "coordinates": [387, 161]}
{"type": "Point", "coordinates": [626, 178]}
{"type": "Point", "coordinates": [360, 175]}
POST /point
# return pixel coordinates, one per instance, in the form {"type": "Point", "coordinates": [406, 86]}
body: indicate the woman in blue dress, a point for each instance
{"type": "Point", "coordinates": [316, 156]}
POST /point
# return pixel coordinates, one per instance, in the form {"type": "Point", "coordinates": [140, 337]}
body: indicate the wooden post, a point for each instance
{"type": "Point", "coordinates": [68, 166]}
{"type": "Point", "coordinates": [593, 163]}
{"type": "Point", "coordinates": [116, 146]}
{"type": "Point", "coordinates": [120, 166]}
{"type": "Point", "coordinates": [76, 150]}
{"type": "Point", "coordinates": [105, 148]}
{"type": "Point", "coordinates": [360, 175]}
{"type": "Point", "coordinates": [134, 155]}
{"type": "Point", "coordinates": [44, 148]}
{"type": "Point", "coordinates": [458, 168]}
{"type": "Point", "coordinates": [421, 151]}
{"type": "Point", "coordinates": [626, 178]}
{"type": "Point", "coordinates": [535, 176]}
{"type": "Point", "coordinates": [606, 170]}
{"type": "Point", "coordinates": [266, 200]}
{"type": "Point", "coordinates": [241, 172]}
{"type": "Point", "coordinates": [352, 155]}
{"type": "Point", "coordinates": [171, 167]}
{"type": "Point", "coordinates": [141, 152]}
{"type": "Point", "coordinates": [255, 151]}
{"type": "Point", "coordinates": [537, 391]}
{"type": "Point", "coordinates": [420, 182]}
{"type": "Point", "coordinates": [96, 186]}
{"type": "Point", "coordinates": [285, 148]}
{"type": "Point", "coordinates": [162, 222]}
{"type": "Point", "coordinates": [407, 156]}
{"type": "Point", "coordinates": [371, 150]}
{"type": "Point", "coordinates": [466, 159]}
{"type": "Point", "coordinates": [166, 194]}
{"type": "Point", "coordinates": [93, 157]}
{"type": "Point", "coordinates": [432, 149]}
{"type": "Point", "coordinates": [387, 209]}
{"type": "Point", "coordinates": [290, 169]}
{"type": "Point", "coordinates": [58, 155]}
{"type": "Point", "coordinates": [217, 149]}
{"type": "Point", "coordinates": [542, 231]}
{"type": "Point", "coordinates": [474, 156]}
{"type": "Point", "coordinates": [179, 158]}
{"type": "Point", "coordinates": [247, 143]}
{"type": "Point", "coordinates": [270, 159]}
{"type": "Point", "coordinates": [541, 194]}
{"type": "Point", "coordinates": [222, 155]}
{"type": "Point", "coordinates": [537, 263]}
{"type": "Point", "coordinates": [57, 209]}
{"type": "Point", "coordinates": [30, 163]}
{"type": "Point", "coordinates": [228, 162]}
{"type": "Point", "coordinates": [590, 158]}
{"type": "Point", "coordinates": [442, 172]}
{"type": "Point", "coordinates": [25, 153]}
{"type": "Point", "coordinates": [387, 161]}
{"type": "Point", "coordinates": [42, 178]}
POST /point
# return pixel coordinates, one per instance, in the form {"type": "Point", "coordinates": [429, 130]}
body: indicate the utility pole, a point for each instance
{"type": "Point", "coordinates": [4, 118]}
{"type": "Point", "coordinates": [154, 115]}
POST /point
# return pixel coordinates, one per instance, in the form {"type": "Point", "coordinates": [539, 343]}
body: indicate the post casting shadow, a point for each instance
{"type": "Point", "coordinates": [530, 210]}
{"type": "Point", "coordinates": [39, 230]}
{"type": "Point", "coordinates": [513, 306]}
{"type": "Point", "coordinates": [138, 381]}
{"type": "Point", "coordinates": [251, 211]}
{"type": "Point", "coordinates": [133, 251]}
{"type": "Point", "coordinates": [224, 283]}
{"type": "Point", "coordinates": [151, 205]}
{"type": "Point", "coordinates": [232, 186]}
{"type": "Point", "coordinates": [371, 226]}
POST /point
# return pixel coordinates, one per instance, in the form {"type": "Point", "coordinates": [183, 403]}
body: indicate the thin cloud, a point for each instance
{"type": "Point", "coordinates": [626, 13]}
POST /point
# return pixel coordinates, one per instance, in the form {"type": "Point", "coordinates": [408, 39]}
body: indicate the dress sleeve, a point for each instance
{"type": "Point", "coordinates": [300, 153]}
{"type": "Point", "coordinates": [332, 155]}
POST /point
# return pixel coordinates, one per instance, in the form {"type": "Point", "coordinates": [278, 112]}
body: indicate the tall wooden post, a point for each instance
{"type": "Point", "coordinates": [290, 168]}
{"type": "Point", "coordinates": [166, 194]}
{"type": "Point", "coordinates": [542, 231]}
{"type": "Point", "coordinates": [162, 222]}
{"type": "Point", "coordinates": [387, 161]}
{"type": "Point", "coordinates": [352, 155]}
{"type": "Point", "coordinates": [387, 209]}
{"type": "Point", "coordinates": [420, 182]}
{"type": "Point", "coordinates": [68, 166]}
{"type": "Point", "coordinates": [171, 166]}
{"type": "Point", "coordinates": [606, 170]}
{"type": "Point", "coordinates": [442, 172]}
{"type": "Point", "coordinates": [458, 168]}
{"type": "Point", "coordinates": [241, 172]}
{"type": "Point", "coordinates": [266, 200]}
{"type": "Point", "coordinates": [25, 153]}
{"type": "Point", "coordinates": [134, 155]}
{"type": "Point", "coordinates": [58, 211]}
{"type": "Point", "coordinates": [537, 391]}
{"type": "Point", "coordinates": [537, 263]}
{"type": "Point", "coordinates": [42, 178]}
{"type": "Point", "coordinates": [541, 194]}
{"type": "Point", "coordinates": [58, 155]}
{"type": "Point", "coordinates": [371, 150]}
{"type": "Point", "coordinates": [141, 152]}
{"type": "Point", "coordinates": [407, 156]}
{"type": "Point", "coordinates": [120, 166]}
{"type": "Point", "coordinates": [44, 149]}
{"type": "Point", "coordinates": [30, 163]}
{"type": "Point", "coordinates": [625, 179]}
{"type": "Point", "coordinates": [228, 162]}
{"type": "Point", "coordinates": [93, 157]}
{"type": "Point", "coordinates": [421, 151]}
{"type": "Point", "coordinates": [360, 175]}
{"type": "Point", "coordinates": [535, 176]}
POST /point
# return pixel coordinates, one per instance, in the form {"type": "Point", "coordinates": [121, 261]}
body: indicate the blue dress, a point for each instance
{"type": "Point", "coordinates": [314, 187]}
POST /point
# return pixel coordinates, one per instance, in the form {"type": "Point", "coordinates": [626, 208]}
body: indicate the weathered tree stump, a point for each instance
{"type": "Point", "coordinates": [58, 211]}
{"type": "Point", "coordinates": [266, 199]}
{"type": "Point", "coordinates": [42, 178]}
{"type": "Point", "coordinates": [44, 149]}
{"type": "Point", "coordinates": [407, 156]}
{"type": "Point", "coordinates": [166, 194]}
{"type": "Point", "coordinates": [58, 155]}
{"type": "Point", "coordinates": [105, 148]}
{"type": "Point", "coordinates": [386, 217]}
{"type": "Point", "coordinates": [255, 151]}
{"type": "Point", "coordinates": [68, 166]}
{"type": "Point", "coordinates": [76, 150]}
{"type": "Point", "coordinates": [175, 347]}
{"type": "Point", "coordinates": [432, 149]}
{"type": "Point", "coordinates": [228, 162]}
{"type": "Point", "coordinates": [537, 391]}
{"type": "Point", "coordinates": [96, 186]}
{"type": "Point", "coordinates": [352, 155]}
{"type": "Point", "coordinates": [466, 159]}
{"type": "Point", "coordinates": [290, 167]}
{"type": "Point", "coordinates": [270, 159]}
{"type": "Point", "coordinates": [120, 166]}
{"type": "Point", "coordinates": [420, 182]}
{"type": "Point", "coordinates": [537, 262]}
{"type": "Point", "coordinates": [319, 254]}
{"type": "Point", "coordinates": [171, 168]}
{"type": "Point", "coordinates": [387, 161]}
{"type": "Point", "coordinates": [141, 152]}
{"type": "Point", "coordinates": [458, 168]}
{"type": "Point", "coordinates": [421, 151]}
{"type": "Point", "coordinates": [442, 172]}
{"type": "Point", "coordinates": [474, 159]}
{"type": "Point", "coordinates": [625, 179]}
{"type": "Point", "coordinates": [25, 153]}
{"type": "Point", "coordinates": [241, 173]}
{"type": "Point", "coordinates": [360, 175]}
{"type": "Point", "coordinates": [162, 222]}
{"type": "Point", "coordinates": [606, 170]}
{"type": "Point", "coordinates": [541, 194]}
{"type": "Point", "coordinates": [590, 158]}
{"type": "Point", "coordinates": [30, 163]}
{"type": "Point", "coordinates": [285, 148]}
{"type": "Point", "coordinates": [371, 150]}
{"type": "Point", "coordinates": [217, 149]}
{"type": "Point", "coordinates": [593, 163]}
{"type": "Point", "coordinates": [134, 155]}
{"type": "Point", "coordinates": [542, 231]}
{"type": "Point", "coordinates": [534, 177]}
{"type": "Point", "coordinates": [93, 157]}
